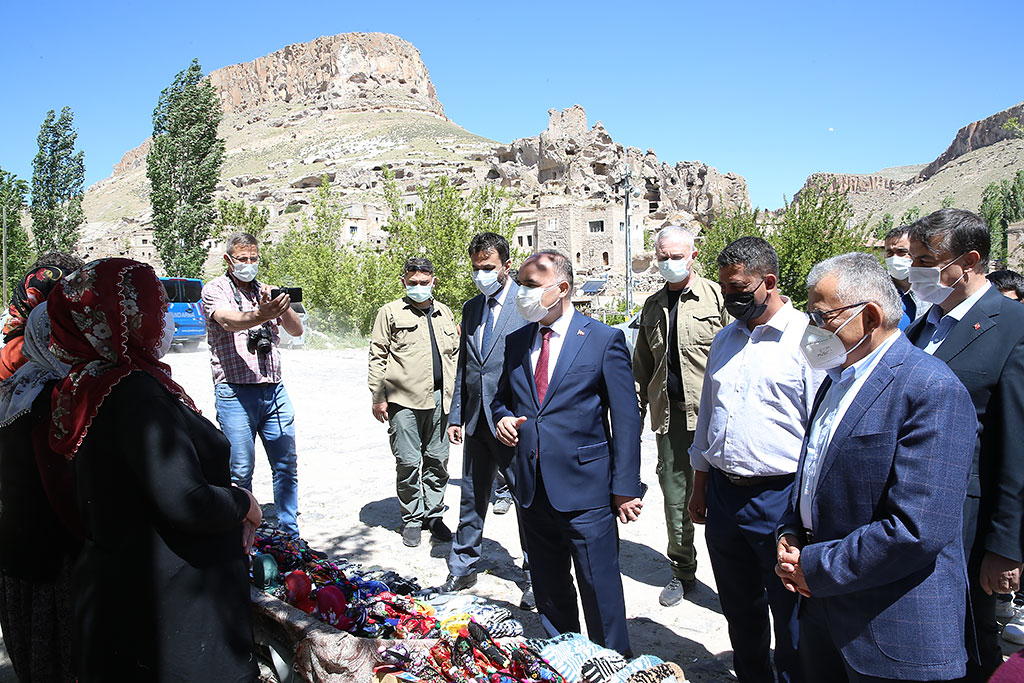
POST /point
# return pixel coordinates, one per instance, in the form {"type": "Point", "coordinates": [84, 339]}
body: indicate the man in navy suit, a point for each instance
{"type": "Point", "coordinates": [486, 319]}
{"type": "Point", "coordinates": [566, 389]}
{"type": "Point", "coordinates": [872, 535]}
{"type": "Point", "coordinates": [979, 333]}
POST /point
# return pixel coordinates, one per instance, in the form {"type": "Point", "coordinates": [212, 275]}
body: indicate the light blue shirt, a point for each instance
{"type": "Point", "coordinates": [756, 399]}
{"type": "Point", "coordinates": [941, 324]}
{"type": "Point", "coordinates": [837, 400]}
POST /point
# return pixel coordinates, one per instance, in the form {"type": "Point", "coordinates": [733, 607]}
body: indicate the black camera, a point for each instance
{"type": "Point", "coordinates": [295, 293]}
{"type": "Point", "coordinates": [259, 341]}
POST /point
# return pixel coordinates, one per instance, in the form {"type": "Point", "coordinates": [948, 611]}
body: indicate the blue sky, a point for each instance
{"type": "Point", "coordinates": [772, 91]}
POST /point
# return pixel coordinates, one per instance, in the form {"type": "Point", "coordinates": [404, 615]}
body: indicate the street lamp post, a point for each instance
{"type": "Point", "coordinates": [629, 252]}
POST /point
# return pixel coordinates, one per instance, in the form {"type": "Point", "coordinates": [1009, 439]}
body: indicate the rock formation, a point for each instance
{"type": "Point", "coordinates": [974, 136]}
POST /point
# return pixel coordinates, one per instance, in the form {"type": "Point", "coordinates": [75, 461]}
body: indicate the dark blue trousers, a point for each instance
{"type": "Point", "coordinates": [483, 456]}
{"type": "Point", "coordinates": [740, 534]}
{"type": "Point", "coordinates": [589, 540]}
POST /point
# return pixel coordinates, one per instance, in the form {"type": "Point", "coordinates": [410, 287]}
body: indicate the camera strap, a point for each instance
{"type": "Point", "coordinates": [238, 294]}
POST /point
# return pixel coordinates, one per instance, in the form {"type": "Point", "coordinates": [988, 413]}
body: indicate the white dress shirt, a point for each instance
{"type": "Point", "coordinates": [757, 396]}
{"type": "Point", "coordinates": [499, 301]}
{"type": "Point", "coordinates": [559, 328]}
{"type": "Point", "coordinates": [940, 324]}
{"type": "Point", "coordinates": [837, 400]}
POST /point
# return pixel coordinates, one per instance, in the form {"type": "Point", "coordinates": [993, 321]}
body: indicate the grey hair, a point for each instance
{"type": "Point", "coordinates": [239, 239]}
{"type": "Point", "coordinates": [674, 231]}
{"type": "Point", "coordinates": [860, 277]}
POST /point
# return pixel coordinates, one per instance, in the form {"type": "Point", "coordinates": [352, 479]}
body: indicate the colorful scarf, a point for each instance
{"type": "Point", "coordinates": [29, 293]}
{"type": "Point", "coordinates": [17, 393]}
{"type": "Point", "coordinates": [107, 321]}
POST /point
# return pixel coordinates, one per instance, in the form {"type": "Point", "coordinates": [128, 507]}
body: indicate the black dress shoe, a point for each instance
{"type": "Point", "coordinates": [528, 602]}
{"type": "Point", "coordinates": [458, 583]}
{"type": "Point", "coordinates": [439, 531]}
{"type": "Point", "coordinates": [411, 535]}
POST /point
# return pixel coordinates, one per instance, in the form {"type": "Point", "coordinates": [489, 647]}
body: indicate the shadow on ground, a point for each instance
{"type": "Point", "coordinates": [699, 665]}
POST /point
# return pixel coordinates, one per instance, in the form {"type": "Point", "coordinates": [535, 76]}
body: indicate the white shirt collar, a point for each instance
{"type": "Point", "coordinates": [960, 310]}
{"type": "Point", "coordinates": [502, 294]}
{"type": "Point", "coordinates": [865, 364]}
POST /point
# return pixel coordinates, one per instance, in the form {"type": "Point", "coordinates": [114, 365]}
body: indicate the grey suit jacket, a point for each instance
{"type": "Point", "coordinates": [478, 370]}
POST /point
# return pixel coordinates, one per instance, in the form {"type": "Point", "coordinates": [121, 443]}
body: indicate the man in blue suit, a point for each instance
{"type": "Point", "coordinates": [566, 402]}
{"type": "Point", "coordinates": [872, 536]}
{"type": "Point", "coordinates": [486, 319]}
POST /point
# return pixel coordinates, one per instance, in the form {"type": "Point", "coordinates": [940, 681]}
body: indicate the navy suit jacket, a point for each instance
{"type": "Point", "coordinates": [985, 350]}
{"type": "Point", "coordinates": [587, 432]}
{"type": "Point", "coordinates": [887, 559]}
{"type": "Point", "coordinates": [478, 370]}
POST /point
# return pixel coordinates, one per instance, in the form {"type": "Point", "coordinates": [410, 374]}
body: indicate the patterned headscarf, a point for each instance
{"type": "Point", "coordinates": [17, 393]}
{"type": "Point", "coordinates": [107, 321]}
{"type": "Point", "coordinates": [29, 293]}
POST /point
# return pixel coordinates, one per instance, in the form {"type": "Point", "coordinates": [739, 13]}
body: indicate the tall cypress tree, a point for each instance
{"type": "Point", "coordinates": [58, 179]}
{"type": "Point", "coordinates": [19, 251]}
{"type": "Point", "coordinates": [183, 166]}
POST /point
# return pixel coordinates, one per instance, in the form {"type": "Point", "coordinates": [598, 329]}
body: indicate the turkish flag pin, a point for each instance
{"type": "Point", "coordinates": [579, 332]}
{"type": "Point", "coordinates": [977, 326]}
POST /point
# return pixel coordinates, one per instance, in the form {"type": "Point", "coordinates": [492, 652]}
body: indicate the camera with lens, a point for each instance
{"type": "Point", "coordinates": [259, 341]}
{"type": "Point", "coordinates": [294, 293]}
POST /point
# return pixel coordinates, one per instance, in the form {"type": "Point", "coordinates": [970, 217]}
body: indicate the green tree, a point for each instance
{"type": "Point", "coordinates": [948, 201]}
{"type": "Point", "coordinates": [1014, 126]}
{"type": "Point", "coordinates": [442, 226]}
{"type": "Point", "coordinates": [19, 249]}
{"type": "Point", "coordinates": [239, 216]}
{"type": "Point", "coordinates": [58, 180]}
{"type": "Point", "coordinates": [992, 211]}
{"type": "Point", "coordinates": [810, 229]}
{"type": "Point", "coordinates": [910, 215]}
{"type": "Point", "coordinates": [183, 167]}
{"type": "Point", "coordinates": [884, 226]}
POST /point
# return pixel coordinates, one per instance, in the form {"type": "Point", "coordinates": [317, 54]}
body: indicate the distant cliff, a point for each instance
{"type": "Point", "coordinates": [974, 136]}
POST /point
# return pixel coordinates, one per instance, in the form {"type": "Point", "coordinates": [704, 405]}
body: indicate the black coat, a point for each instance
{"type": "Point", "coordinates": [985, 350]}
{"type": "Point", "coordinates": [161, 588]}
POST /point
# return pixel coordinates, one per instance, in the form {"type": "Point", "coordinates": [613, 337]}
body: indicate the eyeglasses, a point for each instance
{"type": "Point", "coordinates": [244, 259]}
{"type": "Point", "coordinates": [818, 317]}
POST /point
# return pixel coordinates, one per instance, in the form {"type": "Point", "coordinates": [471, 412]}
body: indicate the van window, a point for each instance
{"type": "Point", "coordinates": [192, 291]}
{"type": "Point", "coordinates": [181, 291]}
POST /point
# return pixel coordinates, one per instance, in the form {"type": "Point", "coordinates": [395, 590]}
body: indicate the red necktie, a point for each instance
{"type": "Point", "coordinates": [540, 373]}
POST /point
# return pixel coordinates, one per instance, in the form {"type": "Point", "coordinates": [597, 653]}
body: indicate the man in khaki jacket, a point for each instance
{"type": "Point", "coordinates": [413, 349]}
{"type": "Point", "coordinates": [677, 325]}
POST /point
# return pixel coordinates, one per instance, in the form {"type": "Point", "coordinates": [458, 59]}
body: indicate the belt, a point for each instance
{"type": "Point", "coordinates": [809, 535]}
{"type": "Point", "coordinates": [738, 480]}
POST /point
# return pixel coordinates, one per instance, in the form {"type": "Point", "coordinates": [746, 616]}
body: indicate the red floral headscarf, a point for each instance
{"type": "Point", "coordinates": [106, 321]}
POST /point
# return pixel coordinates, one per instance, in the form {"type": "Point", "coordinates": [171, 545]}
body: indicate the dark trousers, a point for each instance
{"type": "Point", "coordinates": [982, 611]}
{"type": "Point", "coordinates": [820, 659]}
{"type": "Point", "coordinates": [589, 540]}
{"type": "Point", "coordinates": [740, 534]}
{"type": "Point", "coordinates": [482, 458]}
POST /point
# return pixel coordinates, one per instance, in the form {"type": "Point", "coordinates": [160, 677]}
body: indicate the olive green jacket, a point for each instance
{"type": "Point", "coordinates": [701, 314]}
{"type": "Point", "coordinates": [401, 369]}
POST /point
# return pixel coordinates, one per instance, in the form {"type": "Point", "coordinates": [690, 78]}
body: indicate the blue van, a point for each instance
{"type": "Point", "coordinates": [186, 295]}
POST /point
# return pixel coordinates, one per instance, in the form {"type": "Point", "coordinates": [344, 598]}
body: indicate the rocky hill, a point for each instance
{"type": "Point", "coordinates": [344, 106]}
{"type": "Point", "coordinates": [982, 152]}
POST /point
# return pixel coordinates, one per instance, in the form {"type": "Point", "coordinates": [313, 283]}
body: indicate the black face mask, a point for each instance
{"type": "Point", "coordinates": [742, 307]}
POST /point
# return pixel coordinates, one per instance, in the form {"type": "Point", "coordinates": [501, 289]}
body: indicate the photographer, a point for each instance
{"type": "Point", "coordinates": [242, 330]}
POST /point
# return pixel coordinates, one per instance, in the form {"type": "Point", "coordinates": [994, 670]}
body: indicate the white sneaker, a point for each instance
{"type": "Point", "coordinates": [1014, 630]}
{"type": "Point", "coordinates": [1005, 610]}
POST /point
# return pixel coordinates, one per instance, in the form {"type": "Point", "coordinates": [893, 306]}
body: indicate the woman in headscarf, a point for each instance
{"type": "Point", "coordinates": [33, 289]}
{"type": "Point", "coordinates": [161, 588]}
{"type": "Point", "coordinates": [36, 543]}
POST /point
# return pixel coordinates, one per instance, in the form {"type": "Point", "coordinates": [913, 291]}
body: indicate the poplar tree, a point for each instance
{"type": "Point", "coordinates": [58, 179]}
{"type": "Point", "coordinates": [183, 167]}
{"type": "Point", "coordinates": [13, 191]}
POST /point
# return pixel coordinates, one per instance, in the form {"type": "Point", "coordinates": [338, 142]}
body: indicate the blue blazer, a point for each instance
{"type": "Point", "coordinates": [590, 396]}
{"type": "Point", "coordinates": [888, 557]}
{"type": "Point", "coordinates": [478, 370]}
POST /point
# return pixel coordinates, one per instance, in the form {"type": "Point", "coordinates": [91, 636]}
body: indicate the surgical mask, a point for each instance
{"type": "Point", "coordinates": [898, 266]}
{"type": "Point", "coordinates": [742, 307]}
{"type": "Point", "coordinates": [926, 283]}
{"type": "Point", "coordinates": [823, 349]}
{"type": "Point", "coordinates": [486, 281]}
{"type": "Point", "coordinates": [530, 304]}
{"type": "Point", "coordinates": [419, 293]}
{"type": "Point", "coordinates": [168, 335]}
{"type": "Point", "coordinates": [246, 272]}
{"type": "Point", "coordinates": [675, 270]}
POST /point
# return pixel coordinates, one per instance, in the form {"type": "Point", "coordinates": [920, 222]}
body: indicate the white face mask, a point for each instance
{"type": "Point", "coordinates": [898, 266]}
{"type": "Point", "coordinates": [530, 303]}
{"type": "Point", "coordinates": [926, 283]}
{"type": "Point", "coordinates": [486, 281]}
{"type": "Point", "coordinates": [168, 335]}
{"type": "Point", "coordinates": [824, 350]}
{"type": "Point", "coordinates": [419, 293]}
{"type": "Point", "coordinates": [246, 272]}
{"type": "Point", "coordinates": [675, 270]}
